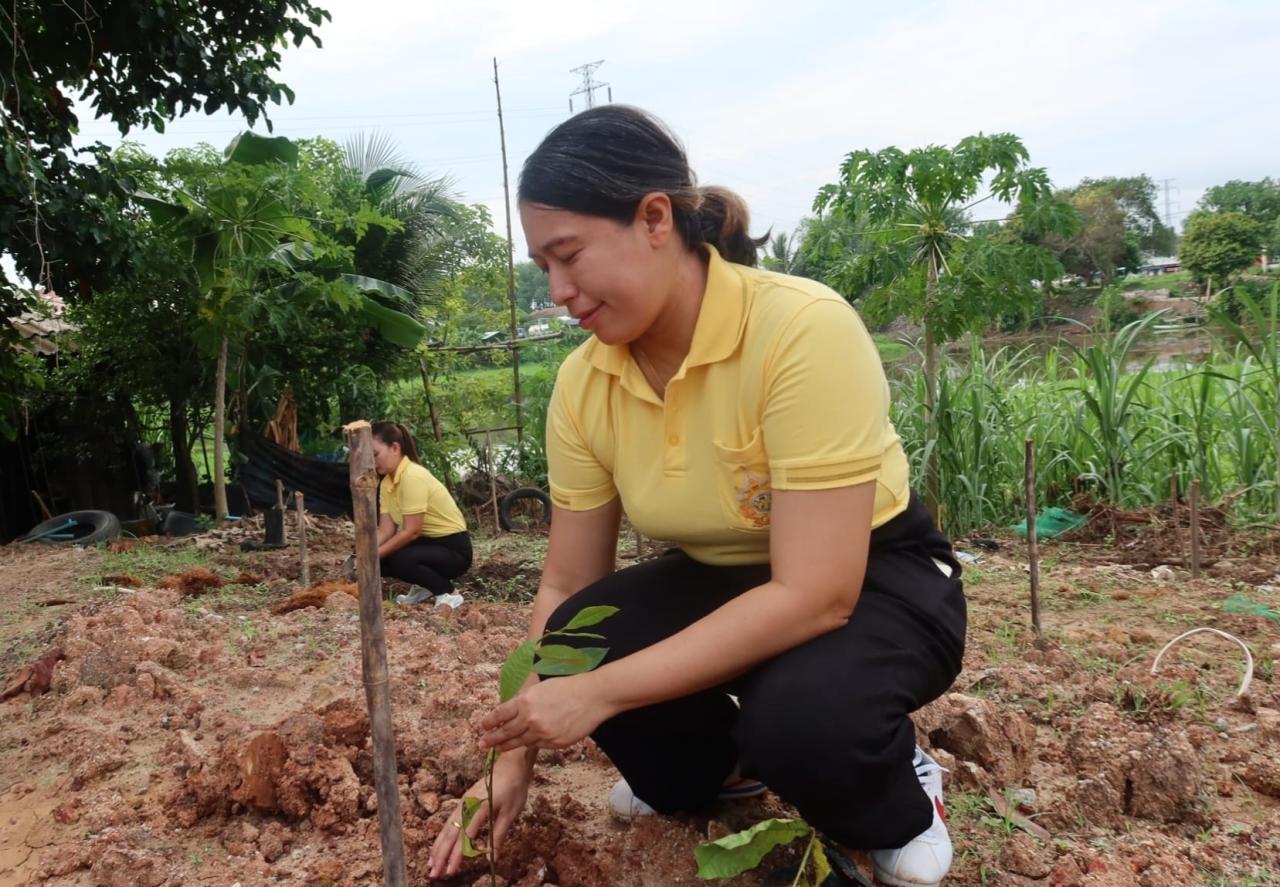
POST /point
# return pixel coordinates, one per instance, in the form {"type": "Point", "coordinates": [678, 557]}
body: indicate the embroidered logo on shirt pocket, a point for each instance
{"type": "Point", "coordinates": [743, 482]}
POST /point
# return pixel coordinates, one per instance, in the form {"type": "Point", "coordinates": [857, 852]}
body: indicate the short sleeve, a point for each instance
{"type": "Point", "coordinates": [826, 412]}
{"type": "Point", "coordinates": [578, 481]}
{"type": "Point", "coordinates": [415, 492]}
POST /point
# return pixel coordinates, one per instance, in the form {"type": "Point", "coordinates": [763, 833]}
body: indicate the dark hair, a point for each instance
{"type": "Point", "coordinates": [395, 433]}
{"type": "Point", "coordinates": [603, 161]}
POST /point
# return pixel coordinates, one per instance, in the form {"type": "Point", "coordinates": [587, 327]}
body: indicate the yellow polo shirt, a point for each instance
{"type": "Point", "coordinates": [782, 389]}
{"type": "Point", "coordinates": [414, 490]}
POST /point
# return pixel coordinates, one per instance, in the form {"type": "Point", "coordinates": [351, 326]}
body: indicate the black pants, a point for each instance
{"type": "Point", "coordinates": [431, 563]}
{"type": "Point", "coordinates": [826, 724]}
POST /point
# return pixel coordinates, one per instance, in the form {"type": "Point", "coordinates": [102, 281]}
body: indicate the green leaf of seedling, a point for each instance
{"type": "Point", "coordinates": [589, 616]}
{"type": "Point", "coordinates": [469, 808]}
{"type": "Point", "coordinates": [515, 671]}
{"type": "Point", "coordinates": [742, 851]}
{"type": "Point", "coordinates": [573, 634]}
{"type": "Point", "coordinates": [821, 865]}
{"type": "Point", "coordinates": [556, 660]}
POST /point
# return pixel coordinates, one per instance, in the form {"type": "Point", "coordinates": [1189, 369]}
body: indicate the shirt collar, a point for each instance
{"type": "Point", "coordinates": [396, 475]}
{"type": "Point", "coordinates": [715, 336]}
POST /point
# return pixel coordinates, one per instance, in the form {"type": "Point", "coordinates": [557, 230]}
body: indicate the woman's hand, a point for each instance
{"type": "Point", "coordinates": [512, 774]}
{"type": "Point", "coordinates": [548, 714]}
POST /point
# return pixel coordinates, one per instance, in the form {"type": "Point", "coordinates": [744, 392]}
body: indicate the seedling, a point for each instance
{"type": "Point", "coordinates": [534, 656]}
{"type": "Point", "coordinates": [742, 851]}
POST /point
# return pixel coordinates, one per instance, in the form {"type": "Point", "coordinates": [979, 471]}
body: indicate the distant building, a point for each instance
{"type": "Point", "coordinates": [1160, 265]}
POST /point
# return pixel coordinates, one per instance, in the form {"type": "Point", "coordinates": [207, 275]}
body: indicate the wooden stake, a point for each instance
{"type": "Point", "coordinates": [1033, 548]}
{"type": "Point", "coordinates": [1195, 529]}
{"type": "Point", "coordinates": [1173, 510]}
{"type": "Point", "coordinates": [373, 650]}
{"type": "Point", "coordinates": [302, 540]}
{"type": "Point", "coordinates": [279, 494]}
{"type": "Point", "coordinates": [493, 480]}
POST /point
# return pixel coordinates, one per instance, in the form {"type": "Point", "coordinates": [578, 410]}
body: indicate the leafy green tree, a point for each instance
{"type": "Point", "coordinates": [260, 236]}
{"type": "Point", "coordinates": [1217, 245]}
{"type": "Point", "coordinates": [825, 244]}
{"type": "Point", "coordinates": [1101, 243]}
{"type": "Point", "coordinates": [1259, 201]}
{"type": "Point", "coordinates": [421, 206]}
{"type": "Point", "coordinates": [136, 344]}
{"type": "Point", "coordinates": [136, 63]}
{"type": "Point", "coordinates": [1136, 196]}
{"type": "Point", "coordinates": [920, 258]}
{"type": "Point", "coordinates": [531, 287]}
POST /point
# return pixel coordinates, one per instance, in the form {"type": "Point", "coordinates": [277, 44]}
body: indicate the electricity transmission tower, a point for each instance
{"type": "Point", "coordinates": [589, 85]}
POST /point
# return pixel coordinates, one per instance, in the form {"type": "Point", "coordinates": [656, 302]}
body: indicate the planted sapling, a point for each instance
{"type": "Point", "coordinates": [535, 656]}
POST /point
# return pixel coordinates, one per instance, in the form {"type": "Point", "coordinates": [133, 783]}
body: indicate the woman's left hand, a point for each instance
{"type": "Point", "coordinates": [547, 714]}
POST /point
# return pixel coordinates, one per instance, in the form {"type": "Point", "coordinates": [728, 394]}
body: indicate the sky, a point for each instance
{"type": "Point", "coordinates": [768, 97]}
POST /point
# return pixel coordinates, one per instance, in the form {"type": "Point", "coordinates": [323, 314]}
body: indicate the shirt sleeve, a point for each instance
{"type": "Point", "coordinates": [415, 493]}
{"type": "Point", "coordinates": [577, 479]}
{"type": "Point", "coordinates": [826, 412]}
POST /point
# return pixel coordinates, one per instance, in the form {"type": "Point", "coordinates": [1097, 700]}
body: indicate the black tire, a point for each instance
{"type": "Point", "coordinates": [507, 514]}
{"type": "Point", "coordinates": [91, 528]}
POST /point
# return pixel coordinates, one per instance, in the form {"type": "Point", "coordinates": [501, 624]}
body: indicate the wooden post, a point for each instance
{"type": "Point", "coordinates": [493, 480]}
{"type": "Point", "coordinates": [1173, 511]}
{"type": "Point", "coordinates": [373, 650]}
{"type": "Point", "coordinates": [302, 540]}
{"type": "Point", "coordinates": [1033, 549]}
{"type": "Point", "coordinates": [1195, 529]}
{"type": "Point", "coordinates": [639, 538]}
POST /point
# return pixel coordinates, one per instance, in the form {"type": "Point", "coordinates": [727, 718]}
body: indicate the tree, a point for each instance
{"type": "Point", "coordinates": [421, 206]}
{"type": "Point", "coordinates": [136, 63]}
{"type": "Point", "coordinates": [782, 253]}
{"type": "Point", "coordinates": [260, 235]}
{"type": "Point", "coordinates": [531, 287]}
{"type": "Point", "coordinates": [136, 344]}
{"type": "Point", "coordinates": [1259, 201]}
{"type": "Point", "coordinates": [1216, 245]}
{"type": "Point", "coordinates": [1101, 244]}
{"type": "Point", "coordinates": [1136, 197]}
{"type": "Point", "coordinates": [919, 258]}
{"type": "Point", "coordinates": [827, 244]}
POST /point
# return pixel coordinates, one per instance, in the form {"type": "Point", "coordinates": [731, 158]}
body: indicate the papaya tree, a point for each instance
{"type": "Point", "coordinates": [920, 255]}
{"type": "Point", "coordinates": [260, 236]}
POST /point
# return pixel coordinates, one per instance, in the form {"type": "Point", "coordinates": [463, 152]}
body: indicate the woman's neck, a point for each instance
{"type": "Point", "coordinates": [666, 344]}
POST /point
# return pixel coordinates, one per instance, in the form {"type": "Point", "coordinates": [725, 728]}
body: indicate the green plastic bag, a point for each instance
{"type": "Point", "coordinates": [1243, 604]}
{"type": "Point", "coordinates": [1051, 522]}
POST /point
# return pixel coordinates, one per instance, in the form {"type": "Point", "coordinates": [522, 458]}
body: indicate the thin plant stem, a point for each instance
{"type": "Point", "coordinates": [488, 788]}
{"type": "Point", "coordinates": [804, 860]}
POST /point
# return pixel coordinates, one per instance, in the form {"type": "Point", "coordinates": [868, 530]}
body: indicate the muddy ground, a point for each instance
{"type": "Point", "coordinates": [190, 735]}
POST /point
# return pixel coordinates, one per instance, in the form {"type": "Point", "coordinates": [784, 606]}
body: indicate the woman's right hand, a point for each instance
{"type": "Point", "coordinates": [512, 774]}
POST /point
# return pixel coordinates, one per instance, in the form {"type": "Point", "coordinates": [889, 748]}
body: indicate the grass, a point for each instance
{"type": "Point", "coordinates": [1172, 282]}
{"type": "Point", "coordinates": [148, 562]}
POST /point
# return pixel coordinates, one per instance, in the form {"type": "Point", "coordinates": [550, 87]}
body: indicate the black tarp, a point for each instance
{"type": "Point", "coordinates": [325, 486]}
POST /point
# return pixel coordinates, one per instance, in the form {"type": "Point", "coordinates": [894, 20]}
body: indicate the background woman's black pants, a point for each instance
{"type": "Point", "coordinates": [431, 563]}
{"type": "Point", "coordinates": [825, 725]}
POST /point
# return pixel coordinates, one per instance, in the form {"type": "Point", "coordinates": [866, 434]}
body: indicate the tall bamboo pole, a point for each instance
{"type": "Point", "coordinates": [511, 267]}
{"type": "Point", "coordinates": [373, 649]}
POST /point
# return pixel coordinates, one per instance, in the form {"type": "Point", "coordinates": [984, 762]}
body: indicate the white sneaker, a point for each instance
{"type": "Point", "coordinates": [926, 858]}
{"type": "Point", "coordinates": [624, 805]}
{"type": "Point", "coordinates": [416, 595]}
